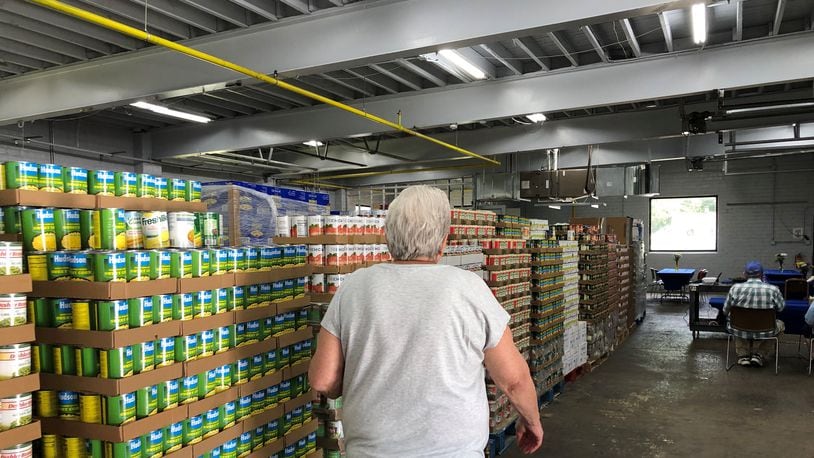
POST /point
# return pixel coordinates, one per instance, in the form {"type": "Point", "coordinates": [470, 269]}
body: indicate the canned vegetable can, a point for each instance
{"type": "Point", "coordinates": [180, 264]}
{"type": "Point", "coordinates": [50, 178]}
{"type": "Point", "coordinates": [146, 401]}
{"type": "Point", "coordinates": [68, 405]}
{"type": "Point", "coordinates": [165, 351]}
{"type": "Point", "coordinates": [155, 230]}
{"type": "Point", "coordinates": [242, 372]}
{"type": "Point", "coordinates": [193, 430]}
{"type": "Point", "coordinates": [125, 184]}
{"type": "Point", "coordinates": [129, 449]}
{"type": "Point", "coordinates": [119, 410]}
{"type": "Point", "coordinates": [67, 229]}
{"type": "Point", "coordinates": [47, 404]}
{"type": "Point", "coordinates": [206, 340]}
{"type": "Point", "coordinates": [188, 387]}
{"type": "Point", "coordinates": [152, 444]}
{"type": "Point", "coordinates": [244, 444]}
{"type": "Point", "coordinates": [173, 437]}
{"type": "Point", "coordinates": [182, 229]}
{"type": "Point", "coordinates": [87, 362]}
{"type": "Point", "coordinates": [13, 310]}
{"type": "Point", "coordinates": [116, 363]}
{"type": "Point", "coordinates": [109, 229]}
{"type": "Point", "coordinates": [133, 233]}
{"type": "Point", "coordinates": [192, 192]}
{"type": "Point", "coordinates": [224, 339]}
{"type": "Point", "coordinates": [90, 408]}
{"type": "Point", "coordinates": [38, 229]}
{"type": "Point", "coordinates": [75, 180]}
{"type": "Point", "coordinates": [236, 298]}
{"type": "Point", "coordinates": [15, 411]}
{"type": "Point", "coordinates": [176, 189]}
{"type": "Point", "coordinates": [138, 265]}
{"type": "Point", "coordinates": [187, 348]}
{"type": "Point", "coordinates": [111, 315]}
{"type": "Point", "coordinates": [168, 394]}
{"type": "Point", "coordinates": [109, 266]}
{"type": "Point", "coordinates": [58, 265]}
{"type": "Point", "coordinates": [211, 423]}
{"type": "Point", "coordinates": [220, 300]}
{"type": "Point", "coordinates": [80, 314]}
{"type": "Point", "coordinates": [209, 222]}
{"type": "Point", "coordinates": [37, 265]}
{"type": "Point", "coordinates": [79, 266]}
{"type": "Point", "coordinates": [101, 182]}
{"type": "Point", "coordinates": [161, 188]}
{"type": "Point", "coordinates": [145, 185]}
{"type": "Point", "coordinates": [164, 265]}
{"type": "Point", "coordinates": [200, 263]}
{"type": "Point", "coordinates": [46, 358]}
{"type": "Point", "coordinates": [202, 303]}
{"type": "Point", "coordinates": [144, 357]}
{"type": "Point", "coordinates": [22, 175]}
{"type": "Point", "coordinates": [182, 306]}
{"type": "Point", "coordinates": [162, 308]}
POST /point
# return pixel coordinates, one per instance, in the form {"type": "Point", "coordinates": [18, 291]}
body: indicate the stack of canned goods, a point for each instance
{"type": "Point", "coordinates": [77, 180]}
{"type": "Point", "coordinates": [119, 410]}
{"type": "Point", "coordinates": [11, 258]}
{"type": "Point", "coordinates": [346, 255]}
{"type": "Point", "coordinates": [314, 225]}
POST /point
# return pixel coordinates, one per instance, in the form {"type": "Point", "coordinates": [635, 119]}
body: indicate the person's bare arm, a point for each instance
{"type": "Point", "coordinates": [510, 372]}
{"type": "Point", "coordinates": [327, 366]}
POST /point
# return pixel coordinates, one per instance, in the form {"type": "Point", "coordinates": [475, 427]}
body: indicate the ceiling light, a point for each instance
{"type": "Point", "coordinates": [536, 117]}
{"type": "Point", "coordinates": [462, 63]}
{"type": "Point", "coordinates": [594, 205]}
{"type": "Point", "coordinates": [314, 143]}
{"type": "Point", "coordinates": [170, 112]}
{"type": "Point", "coordinates": [555, 207]}
{"type": "Point", "coordinates": [699, 23]}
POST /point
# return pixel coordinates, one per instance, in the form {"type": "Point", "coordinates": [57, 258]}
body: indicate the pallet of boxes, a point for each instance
{"type": "Point", "coordinates": [151, 339]}
{"type": "Point", "coordinates": [625, 272]}
{"type": "Point", "coordinates": [594, 308]}
{"type": "Point", "coordinates": [575, 344]}
{"type": "Point", "coordinates": [336, 246]}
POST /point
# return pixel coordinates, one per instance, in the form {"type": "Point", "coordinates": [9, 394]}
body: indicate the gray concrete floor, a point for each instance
{"type": "Point", "coordinates": [663, 394]}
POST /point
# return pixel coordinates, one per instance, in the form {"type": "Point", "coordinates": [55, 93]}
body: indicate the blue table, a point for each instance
{"type": "Point", "coordinates": [793, 315]}
{"type": "Point", "coordinates": [675, 280]}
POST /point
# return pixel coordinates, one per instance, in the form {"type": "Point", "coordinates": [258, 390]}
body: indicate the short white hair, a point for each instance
{"type": "Point", "coordinates": [417, 223]}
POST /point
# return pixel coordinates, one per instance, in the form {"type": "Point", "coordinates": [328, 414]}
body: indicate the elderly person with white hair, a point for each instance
{"type": "Point", "coordinates": [406, 343]}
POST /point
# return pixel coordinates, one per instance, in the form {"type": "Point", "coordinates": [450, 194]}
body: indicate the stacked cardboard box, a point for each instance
{"type": "Point", "coordinates": [594, 307]}
{"type": "Point", "coordinates": [625, 271]}
{"type": "Point", "coordinates": [548, 314]}
{"type": "Point", "coordinates": [575, 352]}
{"type": "Point", "coordinates": [575, 346]}
{"type": "Point", "coordinates": [466, 257]}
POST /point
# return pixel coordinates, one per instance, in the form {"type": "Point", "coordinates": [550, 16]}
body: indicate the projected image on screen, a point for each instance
{"type": "Point", "coordinates": [684, 224]}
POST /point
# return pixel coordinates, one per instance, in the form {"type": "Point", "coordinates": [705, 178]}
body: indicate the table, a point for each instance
{"type": "Point", "coordinates": [675, 280]}
{"type": "Point", "coordinates": [778, 277]}
{"type": "Point", "coordinates": [793, 315]}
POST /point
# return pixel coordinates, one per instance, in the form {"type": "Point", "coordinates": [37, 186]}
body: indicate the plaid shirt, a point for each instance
{"type": "Point", "coordinates": [754, 294]}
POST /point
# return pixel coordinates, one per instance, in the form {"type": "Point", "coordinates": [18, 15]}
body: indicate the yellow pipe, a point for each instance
{"type": "Point", "coordinates": [141, 35]}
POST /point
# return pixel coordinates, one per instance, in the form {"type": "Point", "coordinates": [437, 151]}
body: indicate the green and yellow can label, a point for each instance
{"type": "Point", "coordinates": [116, 363]}
{"type": "Point", "coordinates": [144, 357]}
{"type": "Point", "coordinates": [75, 180]}
{"type": "Point", "coordinates": [22, 175]}
{"type": "Point", "coordinates": [79, 267]}
{"type": "Point", "coordinates": [173, 437]}
{"type": "Point", "coordinates": [165, 352]}
{"type": "Point", "coordinates": [125, 184]}
{"type": "Point", "coordinates": [182, 306]}
{"type": "Point", "coordinates": [50, 178]}
{"type": "Point", "coordinates": [206, 340]}
{"type": "Point", "coordinates": [153, 444]}
{"type": "Point", "coordinates": [193, 430]}
{"type": "Point", "coordinates": [139, 267]}
{"type": "Point", "coordinates": [186, 348]}
{"type": "Point", "coordinates": [146, 401]}
{"type": "Point", "coordinates": [244, 408]}
{"type": "Point", "coordinates": [111, 315]}
{"type": "Point", "coordinates": [162, 308]}
{"type": "Point", "coordinates": [120, 410]}
{"type": "Point", "coordinates": [38, 229]}
{"type": "Point", "coordinates": [176, 189]}
{"type": "Point", "coordinates": [161, 187]}
{"type": "Point", "coordinates": [58, 265]}
{"type": "Point", "coordinates": [168, 394]}
{"type": "Point", "coordinates": [67, 229]}
{"type": "Point", "coordinates": [108, 266]}
{"type": "Point", "coordinates": [101, 182]}
{"type": "Point", "coordinates": [211, 423]}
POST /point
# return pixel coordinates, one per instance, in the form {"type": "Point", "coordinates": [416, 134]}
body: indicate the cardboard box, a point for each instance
{"type": "Point", "coordinates": [185, 452]}
{"type": "Point", "coordinates": [25, 433]}
{"type": "Point", "coordinates": [268, 450]}
{"type": "Point", "coordinates": [109, 339]}
{"type": "Point", "coordinates": [191, 285]}
{"type": "Point", "coordinates": [194, 326]}
{"type": "Point", "coordinates": [17, 334]}
{"type": "Point", "coordinates": [211, 442]}
{"type": "Point", "coordinates": [293, 337]}
{"type": "Point", "coordinates": [331, 444]}
{"type": "Point", "coordinates": [246, 389]}
{"type": "Point", "coordinates": [270, 276]}
{"type": "Point", "coordinates": [198, 366]}
{"type": "Point", "coordinates": [295, 370]}
{"type": "Point", "coordinates": [105, 290]}
{"type": "Point", "coordinates": [15, 283]}
{"type": "Point", "coordinates": [111, 433]}
{"type": "Point", "coordinates": [112, 387]}
{"type": "Point", "coordinates": [11, 237]}
{"type": "Point", "coordinates": [209, 403]}
{"type": "Point", "coordinates": [15, 386]}
{"type": "Point", "coordinates": [262, 418]}
{"type": "Point", "coordinates": [299, 401]}
{"type": "Point", "coordinates": [147, 204]}
{"type": "Point", "coordinates": [322, 298]}
{"type": "Point", "coordinates": [292, 437]}
{"type": "Point", "coordinates": [258, 313]}
{"type": "Point", "coordinates": [293, 305]}
{"type": "Point", "coordinates": [12, 197]}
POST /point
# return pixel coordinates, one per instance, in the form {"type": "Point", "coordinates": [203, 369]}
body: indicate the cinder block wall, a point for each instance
{"type": "Point", "coordinates": [745, 232]}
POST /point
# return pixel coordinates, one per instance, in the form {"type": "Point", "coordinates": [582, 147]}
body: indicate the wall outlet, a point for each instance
{"type": "Point", "coordinates": [797, 233]}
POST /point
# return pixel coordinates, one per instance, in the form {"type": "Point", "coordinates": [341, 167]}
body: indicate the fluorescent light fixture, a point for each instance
{"type": "Point", "coordinates": [594, 205]}
{"type": "Point", "coordinates": [555, 207]}
{"type": "Point", "coordinates": [313, 143]}
{"type": "Point", "coordinates": [536, 117]}
{"type": "Point", "coordinates": [170, 112]}
{"type": "Point", "coordinates": [770, 107]}
{"type": "Point", "coordinates": [699, 23]}
{"type": "Point", "coordinates": [462, 63]}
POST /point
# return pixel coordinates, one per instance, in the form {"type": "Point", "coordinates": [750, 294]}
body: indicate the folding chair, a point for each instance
{"type": "Point", "coordinates": [753, 321]}
{"type": "Point", "coordinates": [796, 289]}
{"type": "Point", "coordinates": [656, 284]}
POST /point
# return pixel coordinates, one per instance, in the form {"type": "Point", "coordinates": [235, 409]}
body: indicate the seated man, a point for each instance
{"type": "Point", "coordinates": [753, 294]}
{"type": "Point", "coordinates": [810, 315]}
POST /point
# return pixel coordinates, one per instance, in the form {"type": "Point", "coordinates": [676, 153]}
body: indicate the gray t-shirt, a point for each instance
{"type": "Point", "coordinates": [413, 336]}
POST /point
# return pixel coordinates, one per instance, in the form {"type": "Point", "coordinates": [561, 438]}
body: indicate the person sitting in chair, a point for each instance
{"type": "Point", "coordinates": [753, 294]}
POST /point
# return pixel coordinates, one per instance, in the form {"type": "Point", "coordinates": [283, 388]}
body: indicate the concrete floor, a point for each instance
{"type": "Point", "coordinates": [664, 395]}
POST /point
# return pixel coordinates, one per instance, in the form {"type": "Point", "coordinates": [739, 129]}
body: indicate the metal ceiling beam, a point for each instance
{"type": "Point", "coordinates": [423, 73]}
{"type": "Point", "coordinates": [23, 61]}
{"type": "Point", "coordinates": [785, 58]}
{"type": "Point", "coordinates": [668, 32]}
{"type": "Point", "coordinates": [226, 11]}
{"type": "Point", "coordinates": [244, 92]}
{"type": "Point", "coordinates": [343, 80]}
{"type": "Point", "coordinates": [259, 105]}
{"type": "Point", "coordinates": [14, 69]}
{"type": "Point", "coordinates": [337, 2]}
{"type": "Point", "coordinates": [631, 37]}
{"type": "Point", "coordinates": [43, 42]}
{"type": "Point", "coordinates": [65, 36]}
{"type": "Point", "coordinates": [533, 50]}
{"type": "Point", "coordinates": [589, 34]}
{"type": "Point", "coordinates": [182, 13]}
{"type": "Point", "coordinates": [333, 89]}
{"type": "Point", "coordinates": [135, 14]}
{"type": "Point", "coordinates": [738, 32]}
{"type": "Point", "coordinates": [259, 7]}
{"type": "Point", "coordinates": [314, 44]}
{"type": "Point", "coordinates": [280, 94]}
{"type": "Point", "coordinates": [299, 5]}
{"type": "Point", "coordinates": [564, 50]}
{"type": "Point", "coordinates": [375, 80]}
{"type": "Point", "coordinates": [196, 107]}
{"type": "Point", "coordinates": [500, 53]}
{"type": "Point", "coordinates": [28, 12]}
{"type": "Point", "coordinates": [222, 100]}
{"type": "Point", "coordinates": [778, 16]}
{"type": "Point", "coordinates": [33, 52]}
{"type": "Point", "coordinates": [412, 83]}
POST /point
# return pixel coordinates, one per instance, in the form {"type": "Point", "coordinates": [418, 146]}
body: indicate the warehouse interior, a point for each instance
{"type": "Point", "coordinates": [564, 119]}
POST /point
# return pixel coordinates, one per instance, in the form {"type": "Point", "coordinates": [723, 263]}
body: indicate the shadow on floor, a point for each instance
{"type": "Point", "coordinates": [663, 394]}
